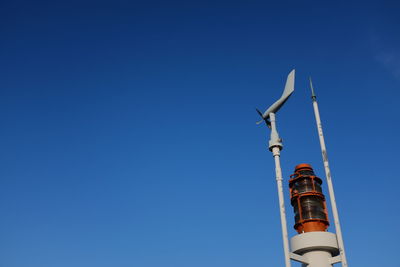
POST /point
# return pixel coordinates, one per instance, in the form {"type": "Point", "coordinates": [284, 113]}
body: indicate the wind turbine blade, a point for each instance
{"type": "Point", "coordinates": [259, 113]}
{"type": "Point", "coordinates": [267, 122]}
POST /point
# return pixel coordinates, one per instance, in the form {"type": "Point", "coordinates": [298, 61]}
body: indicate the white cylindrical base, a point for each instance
{"type": "Point", "coordinates": [317, 248]}
{"type": "Point", "coordinates": [318, 259]}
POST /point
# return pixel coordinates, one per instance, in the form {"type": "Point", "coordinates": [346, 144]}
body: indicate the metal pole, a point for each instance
{"type": "Point", "coordinates": [275, 146]}
{"type": "Point", "coordinates": [328, 178]}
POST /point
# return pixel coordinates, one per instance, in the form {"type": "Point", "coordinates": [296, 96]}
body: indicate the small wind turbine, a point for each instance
{"type": "Point", "coordinates": [275, 146]}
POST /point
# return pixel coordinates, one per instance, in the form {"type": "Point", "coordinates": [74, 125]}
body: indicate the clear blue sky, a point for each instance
{"type": "Point", "coordinates": [128, 135]}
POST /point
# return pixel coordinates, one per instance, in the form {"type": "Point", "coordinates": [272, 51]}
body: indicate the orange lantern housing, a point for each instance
{"type": "Point", "coordinates": [307, 200]}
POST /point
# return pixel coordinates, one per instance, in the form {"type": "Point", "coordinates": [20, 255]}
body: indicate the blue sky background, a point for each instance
{"type": "Point", "coordinates": [128, 136]}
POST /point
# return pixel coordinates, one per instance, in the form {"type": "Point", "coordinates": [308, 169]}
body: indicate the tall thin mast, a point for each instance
{"type": "Point", "coordinates": [275, 146]}
{"type": "Point", "coordinates": [328, 178]}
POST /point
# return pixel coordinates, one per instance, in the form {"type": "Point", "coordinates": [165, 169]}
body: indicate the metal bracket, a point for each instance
{"type": "Point", "coordinates": [275, 140]}
{"type": "Point", "coordinates": [298, 258]}
{"type": "Point", "coordinates": [336, 259]}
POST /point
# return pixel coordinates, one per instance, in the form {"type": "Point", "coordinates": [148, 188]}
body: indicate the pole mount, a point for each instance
{"type": "Point", "coordinates": [275, 140]}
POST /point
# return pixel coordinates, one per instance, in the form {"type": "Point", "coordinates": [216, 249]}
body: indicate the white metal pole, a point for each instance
{"type": "Point", "coordinates": [275, 146]}
{"type": "Point", "coordinates": [329, 179]}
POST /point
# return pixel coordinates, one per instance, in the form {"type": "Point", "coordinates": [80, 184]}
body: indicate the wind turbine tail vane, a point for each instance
{"type": "Point", "coordinates": [289, 86]}
{"type": "Point", "coordinates": [289, 89]}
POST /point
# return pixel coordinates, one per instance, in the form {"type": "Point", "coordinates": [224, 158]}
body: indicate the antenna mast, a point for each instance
{"type": "Point", "coordinates": [328, 178]}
